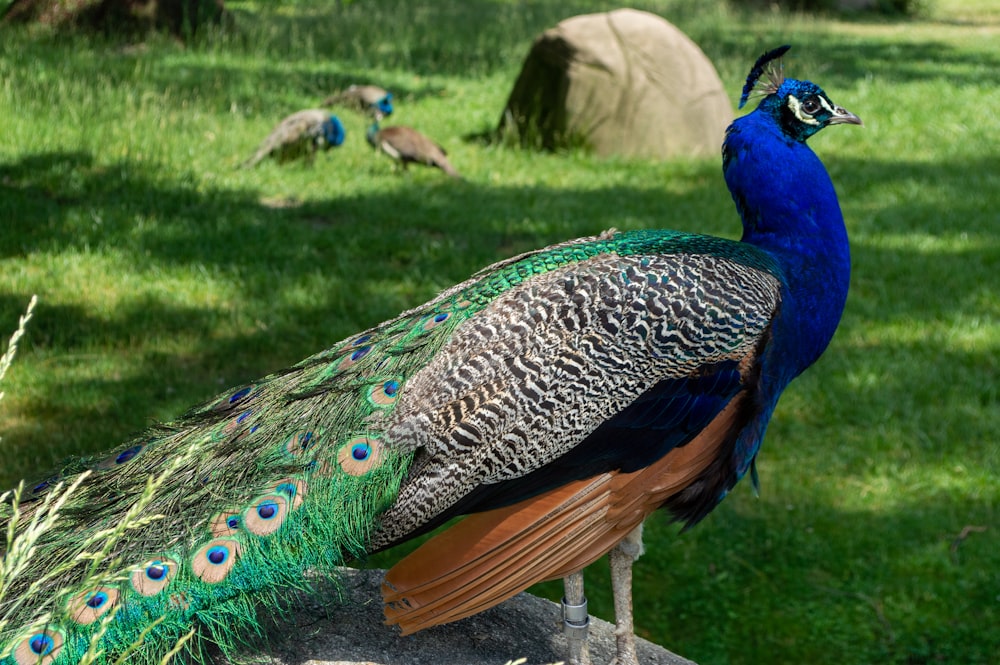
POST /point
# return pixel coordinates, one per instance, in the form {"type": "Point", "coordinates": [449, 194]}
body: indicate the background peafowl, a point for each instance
{"type": "Point", "coordinates": [557, 398]}
{"type": "Point", "coordinates": [299, 136]}
{"type": "Point", "coordinates": [406, 145]}
{"type": "Point", "coordinates": [368, 99]}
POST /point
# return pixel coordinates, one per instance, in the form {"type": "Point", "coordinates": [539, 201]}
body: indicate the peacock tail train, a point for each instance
{"type": "Point", "coordinates": [265, 481]}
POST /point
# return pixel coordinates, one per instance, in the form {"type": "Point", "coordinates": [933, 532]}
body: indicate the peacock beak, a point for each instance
{"type": "Point", "coordinates": [842, 116]}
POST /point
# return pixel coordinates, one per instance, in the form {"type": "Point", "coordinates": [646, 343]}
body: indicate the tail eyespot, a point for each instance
{"type": "Point", "coordinates": [87, 607]}
{"type": "Point", "coordinates": [40, 648]}
{"type": "Point", "coordinates": [215, 559]}
{"type": "Point", "coordinates": [152, 578]}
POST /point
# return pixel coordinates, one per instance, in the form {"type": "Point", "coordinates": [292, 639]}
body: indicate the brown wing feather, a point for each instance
{"type": "Point", "coordinates": [490, 556]}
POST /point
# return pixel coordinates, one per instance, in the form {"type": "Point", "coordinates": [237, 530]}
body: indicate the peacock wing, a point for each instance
{"type": "Point", "coordinates": [564, 360]}
{"type": "Point", "coordinates": [576, 404]}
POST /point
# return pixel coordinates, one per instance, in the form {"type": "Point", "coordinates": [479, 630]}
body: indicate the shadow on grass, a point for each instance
{"type": "Point", "coordinates": [377, 255]}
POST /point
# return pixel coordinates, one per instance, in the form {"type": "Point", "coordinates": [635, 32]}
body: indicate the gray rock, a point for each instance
{"type": "Point", "coordinates": [624, 83]}
{"type": "Point", "coordinates": [353, 633]}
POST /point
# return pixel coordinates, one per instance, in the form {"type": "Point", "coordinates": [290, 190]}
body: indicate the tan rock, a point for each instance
{"type": "Point", "coordinates": [624, 83]}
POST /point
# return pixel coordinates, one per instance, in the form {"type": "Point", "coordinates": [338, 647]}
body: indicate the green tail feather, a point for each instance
{"type": "Point", "coordinates": [251, 489]}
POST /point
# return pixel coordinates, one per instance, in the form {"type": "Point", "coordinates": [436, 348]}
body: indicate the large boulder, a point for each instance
{"type": "Point", "coordinates": [624, 83]}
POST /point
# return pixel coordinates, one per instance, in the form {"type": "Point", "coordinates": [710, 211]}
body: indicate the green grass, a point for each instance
{"type": "Point", "coordinates": [165, 275]}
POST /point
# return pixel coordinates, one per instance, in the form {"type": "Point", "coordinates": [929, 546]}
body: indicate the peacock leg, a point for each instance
{"type": "Point", "coordinates": [621, 558]}
{"type": "Point", "coordinates": [575, 619]}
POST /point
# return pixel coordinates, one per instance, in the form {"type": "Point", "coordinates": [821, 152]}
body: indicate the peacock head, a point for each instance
{"type": "Point", "coordinates": [383, 107]}
{"type": "Point", "coordinates": [800, 108]}
{"type": "Point", "coordinates": [333, 132]}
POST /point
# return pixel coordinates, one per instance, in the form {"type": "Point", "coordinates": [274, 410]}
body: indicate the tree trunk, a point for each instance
{"type": "Point", "coordinates": [179, 17]}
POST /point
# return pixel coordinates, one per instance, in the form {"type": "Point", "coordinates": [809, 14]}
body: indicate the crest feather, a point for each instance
{"type": "Point", "coordinates": [768, 65]}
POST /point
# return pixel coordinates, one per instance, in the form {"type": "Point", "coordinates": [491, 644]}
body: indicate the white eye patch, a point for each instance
{"type": "Point", "coordinates": [796, 106]}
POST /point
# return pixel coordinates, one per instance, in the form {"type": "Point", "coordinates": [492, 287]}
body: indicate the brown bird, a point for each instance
{"type": "Point", "coordinates": [299, 135]}
{"type": "Point", "coordinates": [405, 145]}
{"type": "Point", "coordinates": [368, 99]}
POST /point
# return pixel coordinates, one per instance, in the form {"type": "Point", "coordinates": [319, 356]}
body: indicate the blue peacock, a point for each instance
{"type": "Point", "coordinates": [557, 398]}
{"type": "Point", "coordinates": [299, 136]}
{"type": "Point", "coordinates": [370, 100]}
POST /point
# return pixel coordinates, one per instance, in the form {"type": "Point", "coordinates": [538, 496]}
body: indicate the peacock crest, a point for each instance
{"type": "Point", "coordinates": [766, 75]}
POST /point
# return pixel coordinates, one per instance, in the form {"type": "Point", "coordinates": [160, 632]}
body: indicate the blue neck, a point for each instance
{"type": "Point", "coordinates": [790, 210]}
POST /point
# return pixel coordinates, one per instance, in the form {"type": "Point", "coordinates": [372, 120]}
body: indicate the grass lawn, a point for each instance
{"type": "Point", "coordinates": [165, 275]}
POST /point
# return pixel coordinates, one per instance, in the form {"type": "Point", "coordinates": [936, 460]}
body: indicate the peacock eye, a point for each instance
{"type": "Point", "coordinates": [810, 105]}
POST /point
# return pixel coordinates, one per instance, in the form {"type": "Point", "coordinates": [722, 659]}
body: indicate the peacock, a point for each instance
{"type": "Point", "coordinates": [299, 136]}
{"type": "Point", "coordinates": [556, 398]}
{"type": "Point", "coordinates": [406, 145]}
{"type": "Point", "coordinates": [368, 99]}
